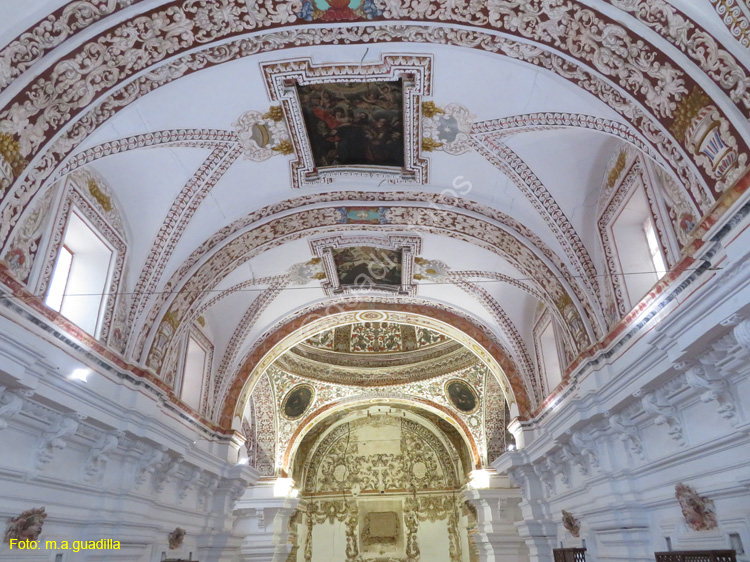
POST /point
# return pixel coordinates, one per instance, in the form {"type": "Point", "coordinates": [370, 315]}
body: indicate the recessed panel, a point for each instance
{"type": "Point", "coordinates": [354, 123]}
{"type": "Point", "coordinates": [367, 267]}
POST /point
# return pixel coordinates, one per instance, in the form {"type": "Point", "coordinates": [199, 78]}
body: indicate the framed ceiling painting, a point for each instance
{"type": "Point", "coordinates": [353, 120]}
{"type": "Point", "coordinates": [368, 263]}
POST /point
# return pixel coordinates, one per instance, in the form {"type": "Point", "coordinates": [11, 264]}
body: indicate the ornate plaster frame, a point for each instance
{"type": "Point", "coordinates": [410, 246]}
{"type": "Point", "coordinates": [282, 77]}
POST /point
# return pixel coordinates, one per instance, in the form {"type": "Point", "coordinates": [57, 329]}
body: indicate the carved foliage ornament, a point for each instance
{"type": "Point", "coordinates": [699, 512]}
{"type": "Point", "coordinates": [27, 526]}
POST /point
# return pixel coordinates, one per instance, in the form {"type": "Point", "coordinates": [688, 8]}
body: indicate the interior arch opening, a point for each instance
{"type": "Point", "coordinates": [382, 481]}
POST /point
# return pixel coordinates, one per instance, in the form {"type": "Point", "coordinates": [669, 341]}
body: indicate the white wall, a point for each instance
{"type": "Point", "coordinates": [108, 460]}
{"type": "Point", "coordinates": [668, 403]}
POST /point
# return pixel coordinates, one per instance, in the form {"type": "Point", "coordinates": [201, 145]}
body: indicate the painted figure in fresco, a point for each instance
{"type": "Point", "coordinates": [365, 266]}
{"type": "Point", "coordinates": [297, 402]}
{"type": "Point", "coordinates": [461, 396]}
{"type": "Point", "coordinates": [354, 123]}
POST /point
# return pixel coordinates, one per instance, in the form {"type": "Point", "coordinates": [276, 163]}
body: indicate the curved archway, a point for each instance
{"type": "Point", "coordinates": [475, 336]}
{"type": "Point", "coordinates": [319, 421]}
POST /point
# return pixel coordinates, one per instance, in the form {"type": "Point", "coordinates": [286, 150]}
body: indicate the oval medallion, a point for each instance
{"type": "Point", "coordinates": [297, 401]}
{"type": "Point", "coordinates": [463, 397]}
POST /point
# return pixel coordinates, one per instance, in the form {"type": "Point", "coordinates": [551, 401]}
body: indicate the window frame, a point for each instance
{"type": "Point", "coordinates": [543, 322]}
{"type": "Point", "coordinates": [204, 342]}
{"type": "Point", "coordinates": [67, 277]}
{"type": "Point", "coordinates": [635, 176]}
{"type": "Point", "coordinates": [74, 199]}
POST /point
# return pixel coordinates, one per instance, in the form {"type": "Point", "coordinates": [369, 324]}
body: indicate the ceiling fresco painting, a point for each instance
{"type": "Point", "coordinates": [297, 401]}
{"type": "Point", "coordinates": [354, 123]}
{"type": "Point", "coordinates": [366, 267]}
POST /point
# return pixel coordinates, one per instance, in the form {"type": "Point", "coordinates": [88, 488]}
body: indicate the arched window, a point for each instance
{"type": "Point", "coordinates": [81, 275]}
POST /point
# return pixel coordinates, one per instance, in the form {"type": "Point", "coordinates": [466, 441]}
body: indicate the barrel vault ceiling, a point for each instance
{"type": "Point", "coordinates": [513, 114]}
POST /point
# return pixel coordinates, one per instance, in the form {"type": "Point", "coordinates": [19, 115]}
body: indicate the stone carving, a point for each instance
{"type": "Point", "coordinates": [666, 414]}
{"type": "Point", "coordinates": [99, 454]}
{"type": "Point", "coordinates": [189, 483]}
{"type": "Point", "coordinates": [586, 447]}
{"type": "Point", "coordinates": [711, 388]}
{"type": "Point", "coordinates": [627, 429]}
{"type": "Point", "coordinates": [543, 470]}
{"type": "Point", "coordinates": [55, 440]}
{"type": "Point", "coordinates": [166, 473]}
{"type": "Point", "coordinates": [26, 526]}
{"type": "Point", "coordinates": [742, 334]}
{"type": "Point", "coordinates": [176, 537]}
{"type": "Point", "coordinates": [149, 462]}
{"type": "Point", "coordinates": [11, 402]}
{"type": "Point", "coordinates": [699, 512]}
{"type": "Point", "coordinates": [208, 490]}
{"type": "Point", "coordinates": [572, 524]}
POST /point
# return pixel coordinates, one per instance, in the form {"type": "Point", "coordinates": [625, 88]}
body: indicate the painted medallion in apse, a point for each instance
{"type": "Point", "coordinates": [354, 123]}
{"type": "Point", "coordinates": [366, 267]}
{"type": "Point", "coordinates": [297, 401]}
{"type": "Point", "coordinates": [463, 397]}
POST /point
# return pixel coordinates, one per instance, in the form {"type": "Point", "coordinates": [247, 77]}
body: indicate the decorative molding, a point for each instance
{"type": "Point", "coordinates": [484, 45]}
{"type": "Point", "coordinates": [99, 455]}
{"type": "Point", "coordinates": [666, 414]}
{"type": "Point", "coordinates": [736, 18]}
{"type": "Point", "coordinates": [627, 430]}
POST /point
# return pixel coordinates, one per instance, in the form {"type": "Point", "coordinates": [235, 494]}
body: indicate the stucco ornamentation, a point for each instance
{"type": "Point", "coordinates": [27, 526]}
{"type": "Point", "coordinates": [699, 512]}
{"type": "Point", "coordinates": [176, 537]}
{"type": "Point", "coordinates": [572, 524]}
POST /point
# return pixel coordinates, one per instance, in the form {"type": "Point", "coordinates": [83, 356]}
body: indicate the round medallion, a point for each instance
{"type": "Point", "coordinates": [463, 397]}
{"type": "Point", "coordinates": [297, 401]}
{"type": "Point", "coordinates": [371, 316]}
